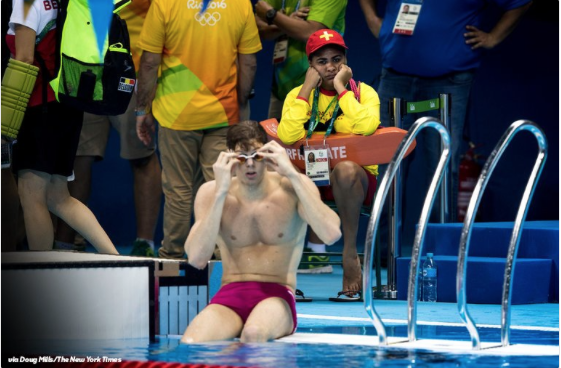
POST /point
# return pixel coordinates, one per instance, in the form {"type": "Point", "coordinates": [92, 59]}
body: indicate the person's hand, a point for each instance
{"type": "Point", "coordinates": [261, 8]}
{"type": "Point", "coordinates": [343, 76]}
{"type": "Point", "coordinates": [301, 13]}
{"type": "Point", "coordinates": [477, 38]}
{"type": "Point", "coordinates": [223, 171]}
{"type": "Point", "coordinates": [312, 78]}
{"type": "Point", "coordinates": [145, 128]}
{"type": "Point", "coordinates": [277, 159]}
{"type": "Point", "coordinates": [311, 81]}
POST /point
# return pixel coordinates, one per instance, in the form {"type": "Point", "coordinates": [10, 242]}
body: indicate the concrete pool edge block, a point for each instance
{"type": "Point", "coordinates": [50, 295]}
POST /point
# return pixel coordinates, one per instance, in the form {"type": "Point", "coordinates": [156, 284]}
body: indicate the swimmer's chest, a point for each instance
{"type": "Point", "coordinates": [249, 223]}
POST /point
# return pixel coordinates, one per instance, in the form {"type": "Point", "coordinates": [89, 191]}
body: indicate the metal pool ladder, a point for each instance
{"type": "Point", "coordinates": [379, 199]}
{"type": "Point", "coordinates": [492, 161]}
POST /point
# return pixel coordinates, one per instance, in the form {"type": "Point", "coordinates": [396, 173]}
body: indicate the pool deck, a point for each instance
{"type": "Point", "coordinates": [320, 287]}
{"type": "Point", "coordinates": [321, 312]}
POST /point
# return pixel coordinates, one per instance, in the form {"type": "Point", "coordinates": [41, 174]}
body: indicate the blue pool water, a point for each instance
{"type": "Point", "coordinates": [517, 336]}
{"type": "Point", "coordinates": [292, 355]}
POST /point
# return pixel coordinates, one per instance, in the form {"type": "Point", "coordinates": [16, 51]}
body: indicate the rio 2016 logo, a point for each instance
{"type": "Point", "coordinates": [209, 19]}
{"type": "Point", "coordinates": [196, 4]}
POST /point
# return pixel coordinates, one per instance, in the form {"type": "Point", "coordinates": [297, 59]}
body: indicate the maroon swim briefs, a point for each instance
{"type": "Point", "coordinates": [242, 297]}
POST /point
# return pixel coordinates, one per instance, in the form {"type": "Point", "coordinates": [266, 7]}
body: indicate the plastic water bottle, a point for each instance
{"type": "Point", "coordinates": [429, 279]}
{"type": "Point", "coordinates": [420, 285]}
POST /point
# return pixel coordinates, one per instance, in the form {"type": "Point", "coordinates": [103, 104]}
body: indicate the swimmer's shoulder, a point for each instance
{"type": "Point", "coordinates": [210, 186]}
{"type": "Point", "coordinates": [207, 186]}
{"type": "Point", "coordinates": [206, 191]}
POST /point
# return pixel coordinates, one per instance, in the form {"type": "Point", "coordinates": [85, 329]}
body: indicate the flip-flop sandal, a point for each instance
{"type": "Point", "coordinates": [300, 297]}
{"type": "Point", "coordinates": [347, 296]}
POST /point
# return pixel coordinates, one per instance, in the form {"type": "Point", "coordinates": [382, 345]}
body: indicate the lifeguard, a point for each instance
{"type": "Point", "coordinates": [324, 104]}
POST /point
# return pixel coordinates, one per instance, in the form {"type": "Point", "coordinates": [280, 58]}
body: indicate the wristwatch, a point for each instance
{"type": "Point", "coordinates": [270, 15]}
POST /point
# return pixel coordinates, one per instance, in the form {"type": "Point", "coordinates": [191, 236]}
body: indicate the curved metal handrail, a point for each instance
{"type": "Point", "coordinates": [515, 239]}
{"type": "Point", "coordinates": [379, 200]}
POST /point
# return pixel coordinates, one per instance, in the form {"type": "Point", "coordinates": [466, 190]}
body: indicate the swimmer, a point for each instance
{"type": "Point", "coordinates": [256, 210]}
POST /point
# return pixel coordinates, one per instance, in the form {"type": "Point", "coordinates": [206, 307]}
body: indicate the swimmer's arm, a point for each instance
{"type": "Point", "coordinates": [201, 241]}
{"type": "Point", "coordinates": [322, 219]}
{"type": "Point", "coordinates": [209, 205]}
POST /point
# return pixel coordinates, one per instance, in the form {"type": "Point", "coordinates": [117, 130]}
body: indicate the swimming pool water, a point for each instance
{"type": "Point", "coordinates": [517, 336]}
{"type": "Point", "coordinates": [293, 355]}
{"type": "Point", "coordinates": [288, 355]}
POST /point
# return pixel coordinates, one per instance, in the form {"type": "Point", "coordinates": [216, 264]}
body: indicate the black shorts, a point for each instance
{"type": "Point", "coordinates": [48, 142]}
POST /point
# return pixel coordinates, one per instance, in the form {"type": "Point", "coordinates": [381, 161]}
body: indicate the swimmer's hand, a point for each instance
{"type": "Point", "coordinates": [277, 159]}
{"type": "Point", "coordinates": [223, 171]}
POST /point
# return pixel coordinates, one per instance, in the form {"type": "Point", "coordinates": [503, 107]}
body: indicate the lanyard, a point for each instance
{"type": "Point", "coordinates": [284, 4]}
{"type": "Point", "coordinates": [314, 120]}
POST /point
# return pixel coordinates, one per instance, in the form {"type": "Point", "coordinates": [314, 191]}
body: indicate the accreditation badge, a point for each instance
{"type": "Point", "coordinates": [281, 50]}
{"type": "Point", "coordinates": [317, 164]}
{"type": "Point", "coordinates": [407, 17]}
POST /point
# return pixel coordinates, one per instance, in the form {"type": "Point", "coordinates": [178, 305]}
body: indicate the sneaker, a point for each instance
{"type": "Point", "coordinates": [142, 249]}
{"type": "Point", "coordinates": [317, 267]}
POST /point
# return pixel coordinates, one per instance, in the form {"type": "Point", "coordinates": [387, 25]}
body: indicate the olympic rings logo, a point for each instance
{"type": "Point", "coordinates": [207, 18]}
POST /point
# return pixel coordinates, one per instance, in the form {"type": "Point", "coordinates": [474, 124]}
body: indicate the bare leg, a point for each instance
{"type": "Point", "coordinates": [77, 215]}
{"type": "Point", "coordinates": [270, 319]}
{"type": "Point", "coordinates": [32, 186]}
{"type": "Point", "coordinates": [350, 185]}
{"type": "Point", "coordinates": [10, 211]}
{"type": "Point", "coordinates": [147, 195]}
{"type": "Point", "coordinates": [215, 322]}
{"type": "Point", "coordinates": [313, 237]}
{"type": "Point", "coordinates": [80, 189]}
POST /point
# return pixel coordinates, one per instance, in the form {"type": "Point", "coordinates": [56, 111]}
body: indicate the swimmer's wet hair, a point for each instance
{"type": "Point", "coordinates": [243, 133]}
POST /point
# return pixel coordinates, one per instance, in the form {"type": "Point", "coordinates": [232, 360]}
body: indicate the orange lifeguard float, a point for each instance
{"type": "Point", "coordinates": [374, 149]}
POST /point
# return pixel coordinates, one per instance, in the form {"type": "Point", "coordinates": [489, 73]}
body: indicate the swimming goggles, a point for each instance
{"type": "Point", "coordinates": [255, 156]}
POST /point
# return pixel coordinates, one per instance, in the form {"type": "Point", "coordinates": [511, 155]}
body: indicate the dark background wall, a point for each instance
{"type": "Point", "coordinates": [519, 79]}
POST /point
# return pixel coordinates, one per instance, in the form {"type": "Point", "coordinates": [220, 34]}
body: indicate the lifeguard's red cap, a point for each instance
{"type": "Point", "coordinates": [323, 37]}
